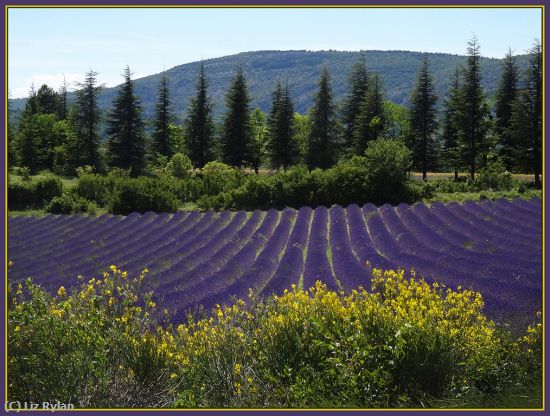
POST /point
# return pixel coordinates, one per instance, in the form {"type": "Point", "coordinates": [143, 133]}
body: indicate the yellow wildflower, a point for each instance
{"type": "Point", "coordinates": [61, 292]}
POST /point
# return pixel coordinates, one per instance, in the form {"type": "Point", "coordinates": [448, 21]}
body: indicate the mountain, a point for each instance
{"type": "Point", "coordinates": [262, 69]}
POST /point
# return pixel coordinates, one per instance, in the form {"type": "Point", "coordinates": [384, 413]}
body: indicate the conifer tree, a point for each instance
{"type": "Point", "coordinates": [506, 94]}
{"type": "Point", "coordinates": [260, 138]}
{"type": "Point", "coordinates": [236, 136]}
{"type": "Point", "coordinates": [450, 129]}
{"type": "Point", "coordinates": [423, 121]}
{"type": "Point", "coordinates": [474, 110]}
{"type": "Point", "coordinates": [282, 147]}
{"type": "Point", "coordinates": [126, 137]}
{"type": "Point", "coordinates": [358, 89]}
{"type": "Point", "coordinates": [48, 100]}
{"type": "Point", "coordinates": [526, 122]}
{"type": "Point", "coordinates": [161, 137]}
{"type": "Point", "coordinates": [84, 118]}
{"type": "Point", "coordinates": [63, 110]}
{"type": "Point", "coordinates": [199, 128]}
{"type": "Point", "coordinates": [371, 120]}
{"type": "Point", "coordinates": [322, 136]}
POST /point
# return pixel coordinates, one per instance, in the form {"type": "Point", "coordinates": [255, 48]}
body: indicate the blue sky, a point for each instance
{"type": "Point", "coordinates": [44, 44]}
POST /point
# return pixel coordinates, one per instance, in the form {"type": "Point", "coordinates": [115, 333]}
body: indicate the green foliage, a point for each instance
{"type": "Point", "coordinates": [94, 347]}
{"type": "Point", "coordinates": [179, 166]}
{"type": "Point", "coordinates": [31, 194]}
{"type": "Point", "coordinates": [321, 151]}
{"type": "Point", "coordinates": [199, 127]}
{"type": "Point", "coordinates": [282, 147]}
{"type": "Point", "coordinates": [387, 163]}
{"type": "Point", "coordinates": [219, 177]}
{"type": "Point", "coordinates": [358, 87]}
{"type": "Point", "coordinates": [141, 195]}
{"type": "Point", "coordinates": [371, 119]}
{"type": "Point", "coordinates": [495, 177]}
{"type": "Point", "coordinates": [38, 135]}
{"type": "Point", "coordinates": [70, 203]}
{"type": "Point", "coordinates": [236, 136]}
{"type": "Point", "coordinates": [126, 136]}
{"type": "Point", "coordinates": [162, 143]}
{"type": "Point", "coordinates": [403, 343]}
{"type": "Point", "coordinates": [259, 138]}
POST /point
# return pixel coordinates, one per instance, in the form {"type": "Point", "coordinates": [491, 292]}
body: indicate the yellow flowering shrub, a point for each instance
{"type": "Point", "coordinates": [403, 342]}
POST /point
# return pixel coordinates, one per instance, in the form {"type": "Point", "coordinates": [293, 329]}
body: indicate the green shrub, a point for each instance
{"type": "Point", "coordinates": [494, 177]}
{"type": "Point", "coordinates": [179, 166]}
{"type": "Point", "coordinates": [70, 203]}
{"type": "Point", "coordinates": [141, 195]}
{"type": "Point", "coordinates": [34, 194]}
{"type": "Point", "coordinates": [387, 162]}
{"type": "Point", "coordinates": [219, 177]}
{"type": "Point", "coordinates": [95, 347]}
{"type": "Point", "coordinates": [402, 343]}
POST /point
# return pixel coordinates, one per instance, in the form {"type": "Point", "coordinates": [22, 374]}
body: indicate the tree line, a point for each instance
{"type": "Point", "coordinates": [60, 136]}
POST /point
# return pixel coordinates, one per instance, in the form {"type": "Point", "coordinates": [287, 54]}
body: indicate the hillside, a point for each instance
{"type": "Point", "coordinates": [398, 70]}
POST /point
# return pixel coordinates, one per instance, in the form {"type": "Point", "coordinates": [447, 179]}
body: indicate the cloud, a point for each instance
{"type": "Point", "coordinates": [52, 80]}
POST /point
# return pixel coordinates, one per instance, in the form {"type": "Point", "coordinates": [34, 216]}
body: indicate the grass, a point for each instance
{"type": "Point", "coordinates": [478, 196]}
{"type": "Point", "coordinates": [431, 176]}
{"type": "Point", "coordinates": [68, 183]}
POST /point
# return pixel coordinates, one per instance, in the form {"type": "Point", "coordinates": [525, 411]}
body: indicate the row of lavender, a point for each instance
{"type": "Point", "coordinates": [203, 259]}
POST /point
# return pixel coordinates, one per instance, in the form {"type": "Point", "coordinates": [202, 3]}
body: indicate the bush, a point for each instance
{"type": "Point", "coordinates": [388, 162]}
{"type": "Point", "coordinates": [34, 194]}
{"type": "Point", "coordinates": [142, 195]}
{"type": "Point", "coordinates": [70, 203]}
{"type": "Point", "coordinates": [179, 166]}
{"type": "Point", "coordinates": [494, 177]}
{"type": "Point", "coordinates": [219, 177]}
{"type": "Point", "coordinates": [100, 188]}
{"type": "Point", "coordinates": [96, 347]}
{"type": "Point", "coordinates": [403, 343]}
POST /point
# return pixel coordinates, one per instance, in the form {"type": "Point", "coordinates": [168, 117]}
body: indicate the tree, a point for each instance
{"type": "Point", "coordinates": [161, 138]}
{"type": "Point", "coordinates": [423, 121]}
{"type": "Point", "coordinates": [526, 121]}
{"type": "Point", "coordinates": [260, 138]}
{"type": "Point", "coordinates": [48, 100]}
{"type": "Point", "coordinates": [474, 110]}
{"type": "Point", "coordinates": [371, 119]}
{"type": "Point", "coordinates": [282, 148]}
{"type": "Point", "coordinates": [199, 129]}
{"type": "Point", "coordinates": [450, 129]}
{"type": "Point", "coordinates": [84, 118]}
{"type": "Point", "coordinates": [322, 137]}
{"type": "Point", "coordinates": [506, 94]}
{"type": "Point", "coordinates": [126, 137]}
{"type": "Point", "coordinates": [358, 89]}
{"type": "Point", "coordinates": [236, 136]}
{"type": "Point", "coordinates": [37, 139]}
{"type": "Point", "coordinates": [300, 138]}
{"type": "Point", "coordinates": [63, 109]}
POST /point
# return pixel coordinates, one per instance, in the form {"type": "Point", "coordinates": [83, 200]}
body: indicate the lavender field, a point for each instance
{"type": "Point", "coordinates": [204, 258]}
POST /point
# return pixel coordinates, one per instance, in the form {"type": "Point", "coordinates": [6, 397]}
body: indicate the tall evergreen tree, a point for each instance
{"type": "Point", "coordinates": [526, 123]}
{"type": "Point", "coordinates": [358, 89]}
{"type": "Point", "coordinates": [199, 128]}
{"type": "Point", "coordinates": [84, 118]}
{"type": "Point", "coordinates": [474, 109]}
{"type": "Point", "coordinates": [423, 121]}
{"type": "Point", "coordinates": [260, 138]}
{"type": "Point", "coordinates": [371, 120]}
{"type": "Point", "coordinates": [63, 110]}
{"type": "Point", "coordinates": [126, 137]}
{"type": "Point", "coordinates": [506, 94]}
{"type": "Point", "coordinates": [322, 136]}
{"type": "Point", "coordinates": [26, 142]}
{"type": "Point", "coordinates": [162, 140]}
{"type": "Point", "coordinates": [236, 136]}
{"type": "Point", "coordinates": [282, 147]}
{"type": "Point", "coordinates": [450, 129]}
{"type": "Point", "coordinates": [48, 100]}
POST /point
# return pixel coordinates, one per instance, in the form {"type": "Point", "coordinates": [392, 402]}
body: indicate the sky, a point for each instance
{"type": "Point", "coordinates": [45, 45]}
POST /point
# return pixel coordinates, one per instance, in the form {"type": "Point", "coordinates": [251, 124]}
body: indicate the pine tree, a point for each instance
{"type": "Point", "coordinates": [48, 100]}
{"type": "Point", "coordinates": [84, 118]}
{"type": "Point", "coordinates": [450, 129]}
{"type": "Point", "coordinates": [126, 137]}
{"type": "Point", "coordinates": [236, 136]}
{"type": "Point", "coordinates": [474, 110]}
{"type": "Point", "coordinates": [63, 110]}
{"type": "Point", "coordinates": [322, 137]}
{"type": "Point", "coordinates": [161, 137]}
{"type": "Point", "coordinates": [260, 138]}
{"type": "Point", "coordinates": [282, 147]}
{"type": "Point", "coordinates": [26, 146]}
{"type": "Point", "coordinates": [199, 128]}
{"type": "Point", "coordinates": [358, 89]}
{"type": "Point", "coordinates": [526, 122]}
{"type": "Point", "coordinates": [423, 121]}
{"type": "Point", "coordinates": [506, 94]}
{"type": "Point", "coordinates": [371, 120]}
